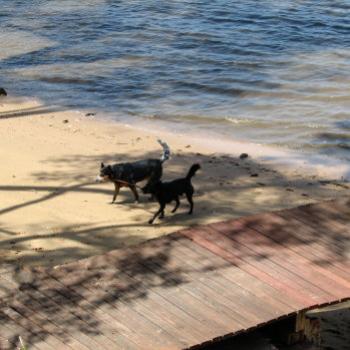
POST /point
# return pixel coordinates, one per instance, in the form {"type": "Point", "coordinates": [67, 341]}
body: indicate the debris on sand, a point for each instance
{"type": "Point", "coordinates": [243, 156]}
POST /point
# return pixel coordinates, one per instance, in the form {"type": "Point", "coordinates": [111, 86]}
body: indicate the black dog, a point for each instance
{"type": "Point", "coordinates": [166, 192]}
{"type": "Point", "coordinates": [128, 174]}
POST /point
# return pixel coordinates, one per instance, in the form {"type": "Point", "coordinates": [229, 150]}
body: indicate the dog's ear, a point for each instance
{"type": "Point", "coordinates": [102, 165]}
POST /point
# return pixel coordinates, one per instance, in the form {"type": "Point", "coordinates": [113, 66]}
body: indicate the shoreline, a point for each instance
{"type": "Point", "coordinates": [53, 213]}
{"type": "Point", "coordinates": [323, 166]}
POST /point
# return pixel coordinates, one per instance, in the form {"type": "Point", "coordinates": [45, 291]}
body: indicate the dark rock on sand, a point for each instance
{"type": "Point", "coordinates": [65, 121]}
{"type": "Point", "coordinates": [254, 175]}
{"type": "Point", "coordinates": [3, 92]}
{"type": "Point", "coordinates": [243, 156]}
{"type": "Point", "coordinates": [89, 114]}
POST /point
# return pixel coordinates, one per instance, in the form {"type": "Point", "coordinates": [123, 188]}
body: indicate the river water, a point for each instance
{"type": "Point", "coordinates": [269, 72]}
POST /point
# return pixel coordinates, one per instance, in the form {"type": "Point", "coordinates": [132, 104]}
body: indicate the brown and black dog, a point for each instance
{"type": "Point", "coordinates": [128, 174]}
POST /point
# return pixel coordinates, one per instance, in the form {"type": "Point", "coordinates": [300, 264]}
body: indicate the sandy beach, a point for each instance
{"type": "Point", "coordinates": [52, 212]}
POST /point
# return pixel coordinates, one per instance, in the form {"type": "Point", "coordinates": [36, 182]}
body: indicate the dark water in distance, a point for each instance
{"type": "Point", "coordinates": [272, 71]}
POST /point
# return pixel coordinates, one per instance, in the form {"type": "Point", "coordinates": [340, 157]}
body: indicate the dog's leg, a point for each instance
{"type": "Point", "coordinates": [189, 198]}
{"type": "Point", "coordinates": [134, 191]}
{"type": "Point", "coordinates": [116, 191]}
{"type": "Point", "coordinates": [161, 216]}
{"type": "Point", "coordinates": [160, 211]}
{"type": "Point", "coordinates": [176, 205]}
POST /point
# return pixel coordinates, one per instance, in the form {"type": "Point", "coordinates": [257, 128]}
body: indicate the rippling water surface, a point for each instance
{"type": "Point", "coordinates": [272, 71]}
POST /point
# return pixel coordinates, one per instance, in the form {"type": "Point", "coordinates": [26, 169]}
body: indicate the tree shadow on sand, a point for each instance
{"type": "Point", "coordinates": [29, 112]}
{"type": "Point", "coordinates": [221, 188]}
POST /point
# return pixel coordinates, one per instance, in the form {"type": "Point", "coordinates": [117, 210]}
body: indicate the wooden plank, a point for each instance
{"type": "Point", "coordinates": [245, 280]}
{"type": "Point", "coordinates": [321, 230]}
{"type": "Point", "coordinates": [35, 320]}
{"type": "Point", "coordinates": [189, 287]}
{"type": "Point", "coordinates": [202, 292]}
{"type": "Point", "coordinates": [130, 319]}
{"type": "Point", "coordinates": [32, 331]}
{"type": "Point", "coordinates": [215, 287]}
{"type": "Point", "coordinates": [120, 333]}
{"type": "Point", "coordinates": [329, 226]}
{"type": "Point", "coordinates": [183, 300]}
{"type": "Point", "coordinates": [147, 264]}
{"type": "Point", "coordinates": [177, 262]}
{"type": "Point", "coordinates": [299, 249]}
{"type": "Point", "coordinates": [286, 258]}
{"type": "Point", "coordinates": [267, 259]}
{"type": "Point", "coordinates": [152, 311]}
{"type": "Point", "coordinates": [11, 330]}
{"type": "Point", "coordinates": [109, 327]}
{"type": "Point", "coordinates": [148, 335]}
{"type": "Point", "coordinates": [262, 269]}
{"type": "Point", "coordinates": [177, 316]}
{"type": "Point", "coordinates": [113, 303]}
{"type": "Point", "coordinates": [305, 240]}
{"type": "Point", "coordinates": [156, 312]}
{"type": "Point", "coordinates": [179, 296]}
{"type": "Point", "coordinates": [29, 303]}
{"type": "Point", "coordinates": [257, 291]}
{"type": "Point", "coordinates": [87, 330]}
{"type": "Point", "coordinates": [47, 298]}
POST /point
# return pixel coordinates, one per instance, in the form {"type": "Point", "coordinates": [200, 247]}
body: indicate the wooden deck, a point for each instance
{"type": "Point", "coordinates": [185, 289]}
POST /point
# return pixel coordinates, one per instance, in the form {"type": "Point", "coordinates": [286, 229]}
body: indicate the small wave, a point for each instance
{"type": "Point", "coordinates": [265, 124]}
{"type": "Point", "coordinates": [253, 122]}
{"type": "Point", "coordinates": [334, 136]}
{"type": "Point", "coordinates": [62, 80]}
{"type": "Point", "coordinates": [343, 124]}
{"type": "Point", "coordinates": [210, 88]}
{"type": "Point", "coordinates": [344, 146]}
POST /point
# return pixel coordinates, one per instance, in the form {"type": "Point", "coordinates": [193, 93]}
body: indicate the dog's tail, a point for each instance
{"type": "Point", "coordinates": [166, 151]}
{"type": "Point", "coordinates": [192, 171]}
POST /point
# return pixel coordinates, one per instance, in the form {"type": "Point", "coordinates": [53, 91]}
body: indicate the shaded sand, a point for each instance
{"type": "Point", "coordinates": [52, 212]}
{"type": "Point", "coordinates": [335, 326]}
